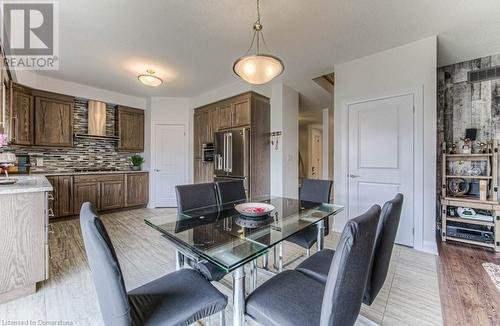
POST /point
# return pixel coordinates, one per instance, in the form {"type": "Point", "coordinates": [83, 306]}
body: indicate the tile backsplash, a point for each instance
{"type": "Point", "coordinates": [86, 152]}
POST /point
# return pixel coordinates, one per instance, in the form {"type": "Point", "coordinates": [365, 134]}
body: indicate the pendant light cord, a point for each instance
{"type": "Point", "coordinates": [257, 33]}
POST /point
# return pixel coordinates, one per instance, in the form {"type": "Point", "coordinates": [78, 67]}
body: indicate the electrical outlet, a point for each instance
{"type": "Point", "coordinates": [39, 161]}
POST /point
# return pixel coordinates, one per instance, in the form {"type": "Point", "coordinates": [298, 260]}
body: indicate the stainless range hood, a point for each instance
{"type": "Point", "coordinates": [96, 122]}
{"type": "Point", "coordinates": [97, 118]}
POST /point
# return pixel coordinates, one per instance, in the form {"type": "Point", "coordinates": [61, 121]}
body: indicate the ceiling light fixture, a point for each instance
{"type": "Point", "coordinates": [258, 68]}
{"type": "Point", "coordinates": [150, 79]}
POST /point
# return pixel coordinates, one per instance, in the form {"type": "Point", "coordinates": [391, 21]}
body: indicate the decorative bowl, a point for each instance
{"type": "Point", "coordinates": [254, 209]}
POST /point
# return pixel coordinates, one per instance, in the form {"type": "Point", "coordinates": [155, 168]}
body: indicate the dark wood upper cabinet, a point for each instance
{"type": "Point", "coordinates": [198, 130]}
{"type": "Point", "coordinates": [22, 115]}
{"type": "Point", "coordinates": [224, 115]}
{"type": "Point", "coordinates": [240, 111]}
{"type": "Point", "coordinates": [130, 129]}
{"type": "Point", "coordinates": [53, 122]}
{"type": "Point", "coordinates": [137, 189]}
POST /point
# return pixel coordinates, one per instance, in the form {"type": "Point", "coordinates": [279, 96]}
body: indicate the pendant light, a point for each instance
{"type": "Point", "coordinates": [258, 68]}
{"type": "Point", "coordinates": [150, 79]}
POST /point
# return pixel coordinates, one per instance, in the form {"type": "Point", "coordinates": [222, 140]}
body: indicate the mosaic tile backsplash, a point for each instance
{"type": "Point", "coordinates": [86, 152]}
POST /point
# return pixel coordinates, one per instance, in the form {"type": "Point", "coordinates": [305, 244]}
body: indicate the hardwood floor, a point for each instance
{"type": "Point", "coordinates": [468, 296]}
{"type": "Point", "coordinates": [410, 295]}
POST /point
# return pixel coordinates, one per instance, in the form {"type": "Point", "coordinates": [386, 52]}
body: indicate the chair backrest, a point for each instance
{"type": "Point", "coordinates": [384, 244]}
{"type": "Point", "coordinates": [317, 191]}
{"type": "Point", "coordinates": [195, 196]}
{"type": "Point", "coordinates": [106, 271]}
{"type": "Point", "coordinates": [349, 270]}
{"type": "Point", "coordinates": [230, 191]}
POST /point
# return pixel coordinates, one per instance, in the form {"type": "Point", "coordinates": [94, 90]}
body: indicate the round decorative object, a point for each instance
{"type": "Point", "coordinates": [254, 209]}
{"type": "Point", "coordinates": [458, 187]}
{"type": "Point", "coordinates": [475, 171]}
{"type": "Point", "coordinates": [253, 223]}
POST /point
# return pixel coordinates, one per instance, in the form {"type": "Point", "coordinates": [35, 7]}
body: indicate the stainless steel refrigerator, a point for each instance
{"type": "Point", "coordinates": [231, 155]}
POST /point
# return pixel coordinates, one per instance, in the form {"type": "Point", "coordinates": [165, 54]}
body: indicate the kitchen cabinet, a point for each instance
{"type": "Point", "coordinates": [22, 115]}
{"type": "Point", "coordinates": [130, 129]}
{"type": "Point", "coordinates": [203, 171]}
{"type": "Point", "coordinates": [225, 114]}
{"type": "Point", "coordinates": [198, 127]}
{"type": "Point", "coordinates": [54, 121]}
{"type": "Point", "coordinates": [240, 111]}
{"type": "Point", "coordinates": [24, 253]}
{"type": "Point", "coordinates": [136, 189]}
{"type": "Point", "coordinates": [112, 194]}
{"type": "Point", "coordinates": [61, 198]}
{"type": "Point", "coordinates": [85, 189]}
{"type": "Point", "coordinates": [245, 110]}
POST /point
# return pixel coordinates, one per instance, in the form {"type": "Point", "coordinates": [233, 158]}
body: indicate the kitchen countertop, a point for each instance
{"type": "Point", "coordinates": [32, 183]}
{"type": "Point", "coordinates": [53, 173]}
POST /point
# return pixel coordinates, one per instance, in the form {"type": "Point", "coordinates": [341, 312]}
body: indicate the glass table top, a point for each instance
{"type": "Point", "coordinates": [229, 240]}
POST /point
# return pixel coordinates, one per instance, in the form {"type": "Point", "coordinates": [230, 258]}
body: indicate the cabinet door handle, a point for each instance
{"type": "Point", "coordinates": [51, 213]}
{"type": "Point", "coordinates": [51, 228]}
{"type": "Point", "coordinates": [50, 196]}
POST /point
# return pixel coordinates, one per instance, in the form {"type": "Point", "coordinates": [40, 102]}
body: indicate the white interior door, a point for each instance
{"type": "Point", "coordinates": [381, 158]}
{"type": "Point", "coordinates": [316, 153]}
{"type": "Point", "coordinates": [170, 166]}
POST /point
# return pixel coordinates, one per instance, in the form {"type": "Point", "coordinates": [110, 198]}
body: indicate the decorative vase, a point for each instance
{"type": "Point", "coordinates": [136, 168]}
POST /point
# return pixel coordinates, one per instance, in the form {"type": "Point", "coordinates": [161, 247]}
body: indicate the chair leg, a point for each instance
{"type": "Point", "coordinates": [265, 263]}
{"type": "Point", "coordinates": [222, 316]}
{"type": "Point", "coordinates": [179, 260]}
{"type": "Point", "coordinates": [280, 266]}
{"type": "Point", "coordinates": [253, 265]}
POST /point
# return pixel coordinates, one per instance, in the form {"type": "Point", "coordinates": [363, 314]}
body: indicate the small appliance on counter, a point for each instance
{"type": "Point", "coordinates": [7, 160]}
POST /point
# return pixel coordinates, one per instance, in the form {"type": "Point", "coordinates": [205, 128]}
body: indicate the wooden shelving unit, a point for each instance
{"type": "Point", "coordinates": [491, 204]}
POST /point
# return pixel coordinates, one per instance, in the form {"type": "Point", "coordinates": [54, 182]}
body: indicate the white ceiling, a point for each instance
{"type": "Point", "coordinates": [193, 43]}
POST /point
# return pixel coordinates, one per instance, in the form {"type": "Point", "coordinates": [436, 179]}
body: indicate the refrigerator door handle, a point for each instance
{"type": "Point", "coordinates": [230, 152]}
{"type": "Point", "coordinates": [224, 167]}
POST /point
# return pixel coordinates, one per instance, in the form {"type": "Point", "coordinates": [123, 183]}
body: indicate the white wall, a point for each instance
{"type": "Point", "coordinates": [78, 90]}
{"type": "Point", "coordinates": [167, 110]}
{"type": "Point", "coordinates": [410, 68]}
{"type": "Point", "coordinates": [284, 160]}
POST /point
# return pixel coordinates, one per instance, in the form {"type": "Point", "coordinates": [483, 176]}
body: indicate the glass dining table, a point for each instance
{"type": "Point", "coordinates": [230, 241]}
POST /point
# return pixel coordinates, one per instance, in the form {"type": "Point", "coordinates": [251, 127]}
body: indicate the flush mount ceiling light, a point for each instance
{"type": "Point", "coordinates": [258, 68]}
{"type": "Point", "coordinates": [150, 79]}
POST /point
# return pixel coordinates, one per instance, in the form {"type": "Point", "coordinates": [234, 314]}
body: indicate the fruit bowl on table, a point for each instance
{"type": "Point", "coordinates": [254, 209]}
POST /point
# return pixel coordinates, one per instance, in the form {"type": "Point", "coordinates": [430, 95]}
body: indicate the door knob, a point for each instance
{"type": "Point", "coordinates": [156, 170]}
{"type": "Point", "coordinates": [353, 176]}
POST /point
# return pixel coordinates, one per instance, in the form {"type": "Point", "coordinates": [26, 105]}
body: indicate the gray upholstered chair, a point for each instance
{"type": "Point", "coordinates": [317, 191]}
{"type": "Point", "coordinates": [293, 298]}
{"type": "Point", "coordinates": [198, 196]}
{"type": "Point", "coordinates": [317, 266]}
{"type": "Point", "coordinates": [178, 298]}
{"type": "Point", "coordinates": [229, 192]}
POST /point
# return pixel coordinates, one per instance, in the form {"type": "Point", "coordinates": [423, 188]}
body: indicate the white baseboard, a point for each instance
{"type": "Point", "coordinates": [430, 247]}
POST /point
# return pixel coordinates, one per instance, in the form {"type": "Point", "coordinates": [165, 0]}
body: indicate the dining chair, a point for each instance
{"type": "Point", "coordinates": [293, 298]}
{"type": "Point", "coordinates": [312, 190]}
{"type": "Point", "coordinates": [232, 191]}
{"type": "Point", "coordinates": [317, 266]}
{"type": "Point", "coordinates": [198, 196]}
{"type": "Point", "coordinates": [178, 298]}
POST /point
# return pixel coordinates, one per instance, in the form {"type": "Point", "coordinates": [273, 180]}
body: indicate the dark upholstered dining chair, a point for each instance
{"type": "Point", "coordinates": [178, 298]}
{"type": "Point", "coordinates": [293, 298]}
{"type": "Point", "coordinates": [198, 196]}
{"type": "Point", "coordinates": [231, 191]}
{"type": "Point", "coordinates": [317, 266]}
{"type": "Point", "coordinates": [312, 190]}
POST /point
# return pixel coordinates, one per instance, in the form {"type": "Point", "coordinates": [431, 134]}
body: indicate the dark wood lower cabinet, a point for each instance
{"type": "Point", "coordinates": [112, 194]}
{"type": "Point", "coordinates": [137, 189]}
{"type": "Point", "coordinates": [86, 192]}
{"type": "Point", "coordinates": [106, 192]}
